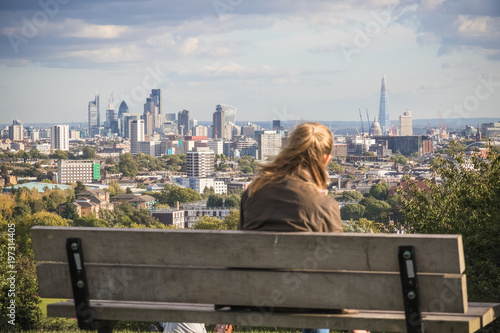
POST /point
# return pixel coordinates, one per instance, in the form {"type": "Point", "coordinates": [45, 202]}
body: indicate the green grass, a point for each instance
{"type": "Point", "coordinates": [47, 301]}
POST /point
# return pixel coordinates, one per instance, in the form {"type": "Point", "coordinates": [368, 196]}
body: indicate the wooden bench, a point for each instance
{"type": "Point", "coordinates": [285, 279]}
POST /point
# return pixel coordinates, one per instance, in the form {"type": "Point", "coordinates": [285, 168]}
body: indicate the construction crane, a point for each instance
{"type": "Point", "coordinates": [362, 127]}
{"type": "Point", "coordinates": [368, 120]}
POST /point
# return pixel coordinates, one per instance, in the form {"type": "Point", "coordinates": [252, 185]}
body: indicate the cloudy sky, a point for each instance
{"type": "Point", "coordinates": [272, 59]}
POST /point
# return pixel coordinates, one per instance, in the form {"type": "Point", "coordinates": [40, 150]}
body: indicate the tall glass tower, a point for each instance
{"type": "Point", "coordinates": [383, 113]}
{"type": "Point", "coordinates": [94, 117]}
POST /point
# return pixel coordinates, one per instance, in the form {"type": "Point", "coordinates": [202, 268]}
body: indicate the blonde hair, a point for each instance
{"type": "Point", "coordinates": [303, 154]}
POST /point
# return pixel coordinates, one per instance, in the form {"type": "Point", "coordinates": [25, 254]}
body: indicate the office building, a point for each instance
{"type": "Point", "coordinates": [59, 137]}
{"type": "Point", "coordinates": [16, 131]}
{"type": "Point", "coordinates": [157, 97]}
{"type": "Point", "coordinates": [35, 135]}
{"type": "Point", "coordinates": [277, 125]}
{"type": "Point", "coordinates": [269, 145]}
{"type": "Point", "coordinates": [248, 131]}
{"type": "Point", "coordinates": [169, 117]}
{"type": "Point", "coordinates": [71, 171]}
{"type": "Point", "coordinates": [200, 162]}
{"type": "Point", "coordinates": [200, 131]}
{"type": "Point", "coordinates": [136, 135]}
{"type": "Point", "coordinates": [219, 119]}
{"type": "Point", "coordinates": [74, 134]}
{"type": "Point", "coordinates": [405, 124]}
{"type": "Point", "coordinates": [126, 120]}
{"type": "Point", "coordinates": [383, 114]}
{"type": "Point", "coordinates": [183, 123]}
{"type": "Point", "coordinates": [229, 112]}
{"type": "Point", "coordinates": [122, 109]}
{"type": "Point", "coordinates": [94, 117]}
{"type": "Point", "coordinates": [217, 146]}
{"type": "Point", "coordinates": [407, 145]}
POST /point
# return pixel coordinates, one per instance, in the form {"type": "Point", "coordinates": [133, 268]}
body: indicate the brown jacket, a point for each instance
{"type": "Point", "coordinates": [289, 205]}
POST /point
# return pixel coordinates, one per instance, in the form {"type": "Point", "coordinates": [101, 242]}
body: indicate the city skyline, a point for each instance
{"type": "Point", "coordinates": [271, 60]}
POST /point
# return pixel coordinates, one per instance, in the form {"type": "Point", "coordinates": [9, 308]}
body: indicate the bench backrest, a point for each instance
{"type": "Point", "coordinates": [269, 269]}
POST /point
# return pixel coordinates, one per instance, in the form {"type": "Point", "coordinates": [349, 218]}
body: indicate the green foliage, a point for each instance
{"type": "Point", "coordinates": [80, 187]}
{"type": "Point", "coordinates": [369, 153]}
{"type": "Point", "coordinates": [89, 221]}
{"type": "Point", "coordinates": [352, 211]}
{"type": "Point", "coordinates": [59, 155]}
{"type": "Point", "coordinates": [232, 200]}
{"type": "Point", "coordinates": [210, 223]}
{"type": "Point", "coordinates": [363, 226]}
{"type": "Point", "coordinates": [351, 196]}
{"type": "Point", "coordinates": [334, 166]}
{"type": "Point", "coordinates": [379, 191]}
{"type": "Point", "coordinates": [376, 210]}
{"type": "Point", "coordinates": [247, 164]}
{"type": "Point", "coordinates": [215, 200]}
{"type": "Point", "coordinates": [128, 166]}
{"type": "Point", "coordinates": [466, 202]}
{"type": "Point", "coordinates": [114, 188]}
{"type": "Point", "coordinates": [88, 153]}
{"type": "Point", "coordinates": [172, 193]}
{"type": "Point", "coordinates": [399, 159]}
{"type": "Point", "coordinates": [69, 212]}
{"type": "Point", "coordinates": [231, 221]}
{"type": "Point", "coordinates": [207, 192]}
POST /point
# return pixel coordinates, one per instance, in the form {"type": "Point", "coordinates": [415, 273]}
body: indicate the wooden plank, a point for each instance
{"type": "Point", "coordinates": [268, 288]}
{"type": "Point", "coordinates": [329, 251]}
{"type": "Point", "coordinates": [204, 313]}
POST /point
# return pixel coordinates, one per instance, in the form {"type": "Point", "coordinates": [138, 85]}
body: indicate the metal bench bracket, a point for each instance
{"type": "Point", "coordinates": [409, 285]}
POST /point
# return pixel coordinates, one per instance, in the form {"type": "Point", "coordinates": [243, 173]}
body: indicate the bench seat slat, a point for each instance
{"type": "Point", "coordinates": [354, 252]}
{"type": "Point", "coordinates": [479, 315]}
{"type": "Point", "coordinates": [305, 289]}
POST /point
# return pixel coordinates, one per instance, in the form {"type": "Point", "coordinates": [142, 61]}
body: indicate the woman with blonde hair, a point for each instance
{"type": "Point", "coordinates": [289, 193]}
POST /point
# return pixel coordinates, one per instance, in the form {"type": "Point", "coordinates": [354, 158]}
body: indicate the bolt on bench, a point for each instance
{"type": "Point", "coordinates": [399, 283]}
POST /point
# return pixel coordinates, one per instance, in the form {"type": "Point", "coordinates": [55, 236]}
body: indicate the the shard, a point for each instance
{"type": "Point", "coordinates": [383, 114]}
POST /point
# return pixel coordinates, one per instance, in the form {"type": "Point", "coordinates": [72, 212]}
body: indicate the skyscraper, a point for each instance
{"type": "Point", "coordinates": [405, 124]}
{"type": "Point", "coordinates": [219, 119]}
{"type": "Point", "coordinates": [111, 115]}
{"type": "Point", "coordinates": [16, 131]}
{"type": "Point", "coordinates": [122, 109]}
{"type": "Point", "coordinates": [183, 122]}
{"type": "Point", "coordinates": [158, 102]}
{"type": "Point", "coordinates": [229, 112]}
{"type": "Point", "coordinates": [200, 162]}
{"type": "Point", "coordinates": [136, 135]}
{"type": "Point", "coordinates": [383, 114]}
{"type": "Point", "coordinates": [59, 137]}
{"type": "Point", "coordinates": [94, 117]}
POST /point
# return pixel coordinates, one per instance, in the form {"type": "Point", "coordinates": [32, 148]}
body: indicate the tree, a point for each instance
{"type": "Point", "coordinates": [88, 152]}
{"type": "Point", "coordinates": [128, 166]}
{"type": "Point", "coordinates": [7, 206]}
{"type": "Point", "coordinates": [70, 212]}
{"type": "Point", "coordinates": [399, 159]}
{"type": "Point", "coordinates": [379, 191]}
{"type": "Point", "coordinates": [215, 200]}
{"type": "Point", "coordinates": [369, 153]}
{"type": "Point", "coordinates": [351, 196]}
{"type": "Point", "coordinates": [352, 211]}
{"type": "Point", "coordinates": [89, 221]}
{"type": "Point", "coordinates": [172, 193]}
{"type": "Point", "coordinates": [233, 200]}
{"type": "Point", "coordinates": [114, 188]}
{"type": "Point", "coordinates": [207, 222]}
{"type": "Point", "coordinates": [363, 226]}
{"type": "Point", "coordinates": [334, 166]}
{"type": "Point", "coordinates": [79, 188]}
{"type": "Point", "coordinates": [466, 202]}
{"type": "Point", "coordinates": [59, 155]}
{"type": "Point", "coordinates": [231, 221]}
{"type": "Point", "coordinates": [207, 192]}
{"type": "Point", "coordinates": [376, 210]}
